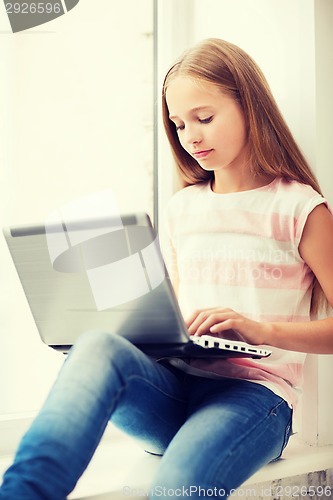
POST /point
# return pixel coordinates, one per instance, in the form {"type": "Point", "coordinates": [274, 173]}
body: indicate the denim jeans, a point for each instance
{"type": "Point", "coordinates": [213, 434]}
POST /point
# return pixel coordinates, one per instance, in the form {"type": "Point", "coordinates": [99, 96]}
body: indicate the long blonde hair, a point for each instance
{"type": "Point", "coordinates": [272, 148]}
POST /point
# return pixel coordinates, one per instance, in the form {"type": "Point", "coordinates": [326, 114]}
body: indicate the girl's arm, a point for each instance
{"type": "Point", "coordinates": [316, 248]}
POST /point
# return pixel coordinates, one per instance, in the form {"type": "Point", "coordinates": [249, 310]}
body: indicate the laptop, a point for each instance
{"type": "Point", "coordinates": [107, 274]}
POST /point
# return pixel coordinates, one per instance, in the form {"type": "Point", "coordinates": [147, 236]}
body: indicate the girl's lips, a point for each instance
{"type": "Point", "coordinates": [202, 154]}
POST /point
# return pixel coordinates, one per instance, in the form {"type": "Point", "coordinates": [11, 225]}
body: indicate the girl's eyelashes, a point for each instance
{"type": "Point", "coordinates": [200, 120]}
{"type": "Point", "coordinates": [206, 120]}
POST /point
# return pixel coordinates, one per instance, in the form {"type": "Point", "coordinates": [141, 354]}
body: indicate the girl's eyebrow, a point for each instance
{"type": "Point", "coordinates": [193, 110]}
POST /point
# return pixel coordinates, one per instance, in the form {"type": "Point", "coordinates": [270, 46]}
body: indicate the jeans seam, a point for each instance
{"type": "Point", "coordinates": [285, 438]}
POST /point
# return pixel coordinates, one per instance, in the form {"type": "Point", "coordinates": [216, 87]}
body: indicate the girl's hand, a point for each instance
{"type": "Point", "coordinates": [216, 321]}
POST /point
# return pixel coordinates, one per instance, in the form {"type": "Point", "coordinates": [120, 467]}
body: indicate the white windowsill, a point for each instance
{"type": "Point", "coordinates": [120, 462]}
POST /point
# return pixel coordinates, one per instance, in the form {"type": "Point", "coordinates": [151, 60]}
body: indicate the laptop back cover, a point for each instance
{"type": "Point", "coordinates": [85, 277]}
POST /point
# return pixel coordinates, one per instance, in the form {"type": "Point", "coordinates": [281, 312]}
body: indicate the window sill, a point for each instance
{"type": "Point", "coordinates": [302, 466]}
{"type": "Point", "coordinates": [121, 468]}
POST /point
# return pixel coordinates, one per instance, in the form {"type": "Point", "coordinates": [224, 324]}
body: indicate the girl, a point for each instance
{"type": "Point", "coordinates": [251, 251]}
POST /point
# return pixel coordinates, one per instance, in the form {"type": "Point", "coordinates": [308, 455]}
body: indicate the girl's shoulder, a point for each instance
{"type": "Point", "coordinates": [296, 194]}
{"type": "Point", "coordinates": [295, 188]}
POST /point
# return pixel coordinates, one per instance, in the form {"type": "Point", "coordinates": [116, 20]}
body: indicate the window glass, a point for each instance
{"type": "Point", "coordinates": [77, 113]}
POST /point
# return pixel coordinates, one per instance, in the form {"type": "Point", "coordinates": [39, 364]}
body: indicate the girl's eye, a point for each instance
{"type": "Point", "coordinates": [206, 120]}
{"type": "Point", "coordinates": [179, 127]}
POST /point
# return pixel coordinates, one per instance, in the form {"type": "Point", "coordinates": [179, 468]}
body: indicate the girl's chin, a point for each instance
{"type": "Point", "coordinates": [208, 168]}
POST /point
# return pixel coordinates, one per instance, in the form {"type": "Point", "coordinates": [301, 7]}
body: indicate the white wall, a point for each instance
{"type": "Point", "coordinates": [175, 23]}
{"type": "Point", "coordinates": [324, 147]}
{"type": "Point", "coordinates": [76, 112]}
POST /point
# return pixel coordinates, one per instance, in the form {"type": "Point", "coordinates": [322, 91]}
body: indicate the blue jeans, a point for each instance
{"type": "Point", "coordinates": [213, 434]}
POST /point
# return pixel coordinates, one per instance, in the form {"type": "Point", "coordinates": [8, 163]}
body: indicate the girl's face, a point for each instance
{"type": "Point", "coordinates": [210, 124]}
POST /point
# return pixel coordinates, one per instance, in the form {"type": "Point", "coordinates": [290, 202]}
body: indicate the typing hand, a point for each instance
{"type": "Point", "coordinates": [226, 323]}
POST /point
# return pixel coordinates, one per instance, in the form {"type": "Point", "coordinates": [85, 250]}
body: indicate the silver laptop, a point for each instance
{"type": "Point", "coordinates": [107, 274]}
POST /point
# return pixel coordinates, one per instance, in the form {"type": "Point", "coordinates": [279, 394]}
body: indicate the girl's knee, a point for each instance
{"type": "Point", "coordinates": [108, 355]}
{"type": "Point", "coordinates": [103, 345]}
{"type": "Point", "coordinates": [99, 343]}
{"type": "Point", "coordinates": [93, 337]}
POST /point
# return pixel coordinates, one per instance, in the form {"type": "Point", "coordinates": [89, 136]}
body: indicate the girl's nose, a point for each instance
{"type": "Point", "coordinates": [192, 136]}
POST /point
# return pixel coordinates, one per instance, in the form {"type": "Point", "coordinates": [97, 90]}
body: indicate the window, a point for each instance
{"type": "Point", "coordinates": [77, 118]}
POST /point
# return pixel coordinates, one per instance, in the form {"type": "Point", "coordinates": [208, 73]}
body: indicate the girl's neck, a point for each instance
{"type": "Point", "coordinates": [223, 184]}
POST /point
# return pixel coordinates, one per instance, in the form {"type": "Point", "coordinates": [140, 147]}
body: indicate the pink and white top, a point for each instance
{"type": "Point", "coordinates": [240, 250]}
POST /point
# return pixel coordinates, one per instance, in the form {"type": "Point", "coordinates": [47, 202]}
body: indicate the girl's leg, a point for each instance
{"type": "Point", "coordinates": [234, 428]}
{"type": "Point", "coordinates": [104, 375]}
